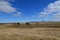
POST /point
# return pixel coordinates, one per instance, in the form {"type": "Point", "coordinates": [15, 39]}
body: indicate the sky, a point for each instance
{"type": "Point", "coordinates": [29, 10]}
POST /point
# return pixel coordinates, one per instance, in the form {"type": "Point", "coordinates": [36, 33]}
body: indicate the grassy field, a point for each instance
{"type": "Point", "coordinates": [42, 31]}
{"type": "Point", "coordinates": [30, 34]}
{"type": "Point", "coordinates": [31, 25]}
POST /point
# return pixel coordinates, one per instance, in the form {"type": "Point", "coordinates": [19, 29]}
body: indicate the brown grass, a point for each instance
{"type": "Point", "coordinates": [30, 34]}
{"type": "Point", "coordinates": [42, 31]}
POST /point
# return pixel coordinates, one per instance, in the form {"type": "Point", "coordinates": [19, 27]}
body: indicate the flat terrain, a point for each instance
{"type": "Point", "coordinates": [30, 34]}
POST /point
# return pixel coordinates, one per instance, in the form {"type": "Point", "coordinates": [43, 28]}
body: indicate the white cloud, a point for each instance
{"type": "Point", "coordinates": [53, 8]}
{"type": "Point", "coordinates": [6, 7]}
{"type": "Point", "coordinates": [8, 0]}
{"type": "Point", "coordinates": [17, 14]}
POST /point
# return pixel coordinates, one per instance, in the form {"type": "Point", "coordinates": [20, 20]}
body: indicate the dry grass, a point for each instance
{"type": "Point", "coordinates": [30, 34]}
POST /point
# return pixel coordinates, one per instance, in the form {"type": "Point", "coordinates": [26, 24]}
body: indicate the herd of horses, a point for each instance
{"type": "Point", "coordinates": [18, 23]}
{"type": "Point", "coordinates": [27, 23]}
{"type": "Point", "coordinates": [39, 24]}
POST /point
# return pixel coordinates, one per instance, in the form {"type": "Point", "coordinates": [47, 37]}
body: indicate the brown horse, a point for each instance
{"type": "Point", "coordinates": [27, 23]}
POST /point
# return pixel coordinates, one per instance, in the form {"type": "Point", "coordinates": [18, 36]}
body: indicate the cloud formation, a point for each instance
{"type": "Point", "coordinates": [8, 0]}
{"type": "Point", "coordinates": [18, 14]}
{"type": "Point", "coordinates": [6, 7]}
{"type": "Point", "coordinates": [53, 9]}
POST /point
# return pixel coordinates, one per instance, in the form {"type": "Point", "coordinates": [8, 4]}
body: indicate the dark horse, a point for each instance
{"type": "Point", "coordinates": [27, 23]}
{"type": "Point", "coordinates": [18, 23]}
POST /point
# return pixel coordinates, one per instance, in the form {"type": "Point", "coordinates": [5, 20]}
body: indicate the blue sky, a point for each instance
{"type": "Point", "coordinates": [29, 10]}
